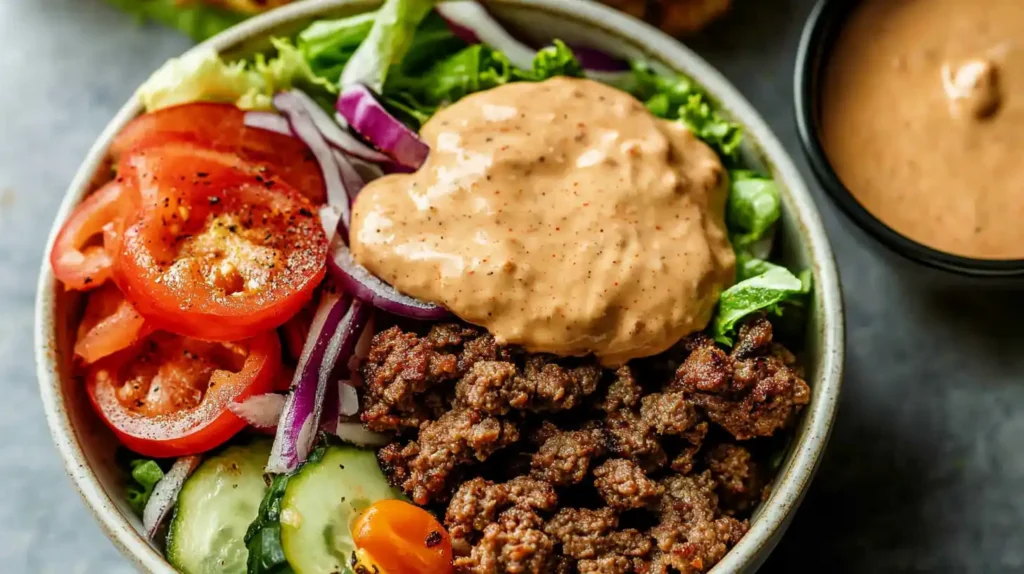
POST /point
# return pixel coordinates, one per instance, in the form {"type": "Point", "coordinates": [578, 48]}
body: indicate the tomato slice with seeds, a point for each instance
{"type": "Point", "coordinates": [169, 396]}
{"type": "Point", "coordinates": [218, 252]}
{"type": "Point", "coordinates": [109, 324]}
{"type": "Point", "coordinates": [402, 538]}
{"type": "Point", "coordinates": [79, 259]}
{"type": "Point", "coordinates": [222, 127]}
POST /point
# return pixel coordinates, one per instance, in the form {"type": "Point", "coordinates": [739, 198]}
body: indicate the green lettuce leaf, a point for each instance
{"type": "Point", "coordinates": [555, 60]}
{"type": "Point", "coordinates": [204, 76]}
{"type": "Point", "coordinates": [765, 292]}
{"type": "Point", "coordinates": [680, 98]}
{"type": "Point", "coordinates": [197, 20]}
{"type": "Point", "coordinates": [414, 97]}
{"type": "Point", "coordinates": [145, 474]}
{"type": "Point", "coordinates": [386, 44]}
{"type": "Point", "coordinates": [753, 208]}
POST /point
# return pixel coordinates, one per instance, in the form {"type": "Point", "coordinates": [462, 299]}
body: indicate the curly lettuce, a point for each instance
{"type": "Point", "coordinates": [145, 474]}
{"type": "Point", "coordinates": [680, 98]}
{"type": "Point", "coordinates": [204, 76]}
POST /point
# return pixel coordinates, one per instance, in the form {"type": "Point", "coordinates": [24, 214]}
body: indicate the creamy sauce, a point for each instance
{"type": "Point", "coordinates": [561, 216]}
{"type": "Point", "coordinates": [923, 120]}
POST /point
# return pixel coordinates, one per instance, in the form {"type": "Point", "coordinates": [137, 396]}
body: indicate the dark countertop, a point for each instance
{"type": "Point", "coordinates": [925, 471]}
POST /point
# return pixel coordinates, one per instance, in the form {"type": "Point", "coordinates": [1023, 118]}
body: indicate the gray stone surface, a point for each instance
{"type": "Point", "coordinates": [926, 468]}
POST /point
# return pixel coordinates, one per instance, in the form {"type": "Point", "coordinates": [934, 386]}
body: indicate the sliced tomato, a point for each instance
{"type": "Point", "coordinates": [110, 324]}
{"type": "Point", "coordinates": [222, 127]}
{"type": "Point", "coordinates": [169, 396]}
{"type": "Point", "coordinates": [218, 252]}
{"type": "Point", "coordinates": [400, 538]}
{"type": "Point", "coordinates": [78, 258]}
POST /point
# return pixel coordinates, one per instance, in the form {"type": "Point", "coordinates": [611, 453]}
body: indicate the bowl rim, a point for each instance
{"type": "Point", "coordinates": [819, 32]}
{"type": "Point", "coordinates": [801, 462]}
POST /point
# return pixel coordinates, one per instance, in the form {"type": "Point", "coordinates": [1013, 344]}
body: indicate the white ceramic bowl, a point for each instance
{"type": "Point", "coordinates": [88, 448]}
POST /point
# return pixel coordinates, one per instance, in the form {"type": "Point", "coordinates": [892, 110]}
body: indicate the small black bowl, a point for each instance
{"type": "Point", "coordinates": [816, 42]}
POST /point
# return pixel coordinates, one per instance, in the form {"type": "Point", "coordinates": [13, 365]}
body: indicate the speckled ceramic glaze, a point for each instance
{"type": "Point", "coordinates": [88, 448]}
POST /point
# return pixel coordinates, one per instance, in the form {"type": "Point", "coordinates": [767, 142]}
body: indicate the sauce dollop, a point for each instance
{"type": "Point", "coordinates": [561, 216]}
{"type": "Point", "coordinates": [922, 118]}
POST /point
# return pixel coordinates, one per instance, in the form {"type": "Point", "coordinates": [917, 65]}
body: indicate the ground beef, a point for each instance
{"type": "Point", "coordinates": [623, 393]}
{"type": "Point", "coordinates": [398, 371]}
{"type": "Point", "coordinates": [634, 439]}
{"type": "Point", "coordinates": [752, 393]}
{"type": "Point", "coordinates": [514, 542]}
{"type": "Point", "coordinates": [592, 537]}
{"type": "Point", "coordinates": [423, 466]}
{"type": "Point", "coordinates": [692, 535]}
{"type": "Point", "coordinates": [565, 458]}
{"type": "Point", "coordinates": [668, 413]}
{"type": "Point", "coordinates": [548, 465]}
{"type": "Point", "coordinates": [739, 478]}
{"type": "Point", "coordinates": [623, 485]}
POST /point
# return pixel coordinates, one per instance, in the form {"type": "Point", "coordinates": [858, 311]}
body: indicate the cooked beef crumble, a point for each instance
{"type": "Point", "coordinates": [542, 464]}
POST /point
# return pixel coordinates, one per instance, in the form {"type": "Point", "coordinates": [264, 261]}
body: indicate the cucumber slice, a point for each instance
{"type": "Point", "coordinates": [215, 507]}
{"type": "Point", "coordinates": [321, 503]}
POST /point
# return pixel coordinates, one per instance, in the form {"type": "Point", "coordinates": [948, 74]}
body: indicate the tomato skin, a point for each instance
{"type": "Point", "coordinates": [402, 538]}
{"type": "Point", "coordinates": [185, 431]}
{"type": "Point", "coordinates": [222, 127]}
{"type": "Point", "coordinates": [110, 324]}
{"type": "Point", "coordinates": [218, 252]}
{"type": "Point", "coordinates": [75, 263]}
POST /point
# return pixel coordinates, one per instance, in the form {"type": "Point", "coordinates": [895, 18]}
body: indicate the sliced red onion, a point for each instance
{"type": "Point", "coordinates": [333, 133]}
{"type": "Point", "coordinates": [471, 22]}
{"type": "Point", "coordinates": [368, 117]}
{"type": "Point", "coordinates": [294, 106]}
{"type": "Point", "coordinates": [330, 218]}
{"type": "Point", "coordinates": [335, 364]}
{"type": "Point", "coordinates": [269, 121]}
{"type": "Point", "coordinates": [349, 403]}
{"type": "Point", "coordinates": [304, 405]}
{"type": "Point", "coordinates": [354, 182]}
{"type": "Point", "coordinates": [357, 280]}
{"type": "Point", "coordinates": [358, 435]}
{"type": "Point", "coordinates": [165, 493]}
{"type": "Point", "coordinates": [361, 351]}
{"type": "Point", "coordinates": [261, 411]}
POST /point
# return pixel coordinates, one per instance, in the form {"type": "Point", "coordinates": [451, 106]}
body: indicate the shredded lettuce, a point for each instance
{"type": "Point", "coordinates": [767, 291]}
{"type": "Point", "coordinates": [204, 76]}
{"type": "Point", "coordinates": [197, 20]}
{"type": "Point", "coordinates": [680, 98]}
{"type": "Point", "coordinates": [386, 44]}
{"type": "Point", "coordinates": [145, 474]}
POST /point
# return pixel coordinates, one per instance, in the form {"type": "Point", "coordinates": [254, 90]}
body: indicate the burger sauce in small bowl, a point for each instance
{"type": "Point", "coordinates": [912, 114]}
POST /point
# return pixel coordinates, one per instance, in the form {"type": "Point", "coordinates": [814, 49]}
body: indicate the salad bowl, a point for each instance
{"type": "Point", "coordinates": [88, 448]}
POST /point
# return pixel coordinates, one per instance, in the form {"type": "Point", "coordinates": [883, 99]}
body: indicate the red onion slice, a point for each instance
{"type": "Point", "coordinates": [473, 23]}
{"type": "Point", "coordinates": [260, 411]}
{"type": "Point", "coordinates": [295, 108]}
{"type": "Point", "coordinates": [268, 121]}
{"type": "Point", "coordinates": [165, 493]}
{"type": "Point", "coordinates": [333, 133]}
{"type": "Point", "coordinates": [368, 117]}
{"type": "Point", "coordinates": [354, 182]}
{"type": "Point", "coordinates": [357, 280]}
{"type": "Point", "coordinates": [335, 363]}
{"type": "Point", "coordinates": [304, 406]}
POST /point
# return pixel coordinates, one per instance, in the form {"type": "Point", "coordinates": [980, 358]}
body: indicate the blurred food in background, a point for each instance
{"type": "Point", "coordinates": [200, 19]}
